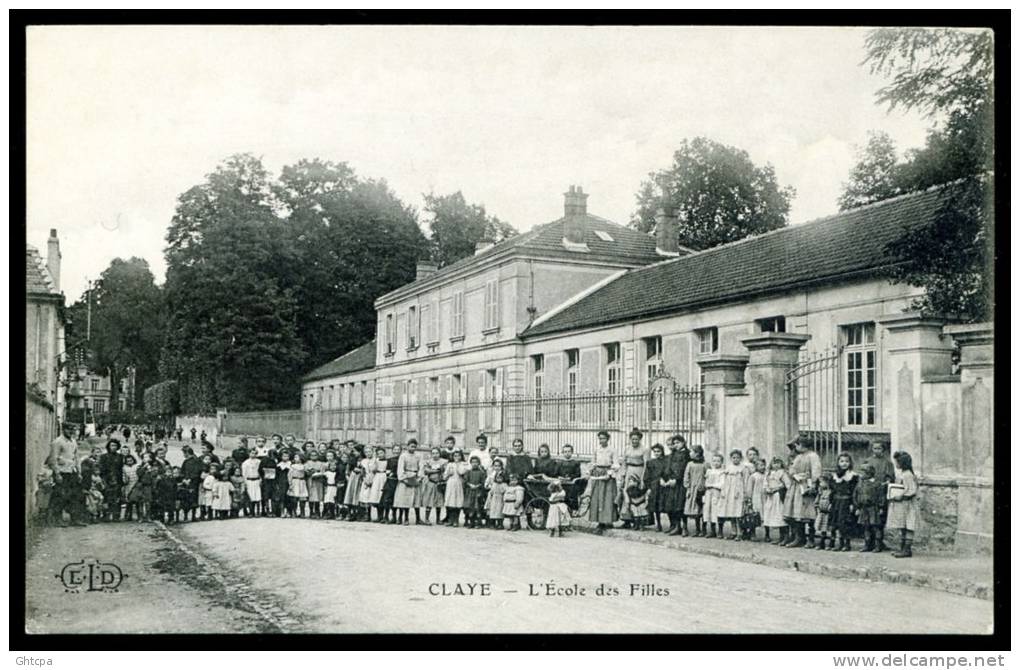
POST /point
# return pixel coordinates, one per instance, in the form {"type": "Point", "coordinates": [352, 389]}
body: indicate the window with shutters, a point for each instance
{"type": "Point", "coordinates": [573, 362]}
{"type": "Point", "coordinates": [491, 305]}
{"type": "Point", "coordinates": [457, 316]}
{"type": "Point", "coordinates": [860, 358]}
{"type": "Point", "coordinates": [537, 379]}
{"type": "Point", "coordinates": [412, 328]}
{"type": "Point", "coordinates": [613, 379]}
{"type": "Point", "coordinates": [430, 320]}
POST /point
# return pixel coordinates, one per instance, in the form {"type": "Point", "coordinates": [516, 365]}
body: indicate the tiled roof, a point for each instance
{"type": "Point", "coordinates": [628, 245]}
{"type": "Point", "coordinates": [362, 358]}
{"type": "Point", "coordinates": [848, 243]}
{"type": "Point", "coordinates": [37, 275]}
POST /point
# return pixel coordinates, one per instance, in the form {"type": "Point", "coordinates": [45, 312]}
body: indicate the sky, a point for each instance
{"type": "Point", "coordinates": [123, 119]}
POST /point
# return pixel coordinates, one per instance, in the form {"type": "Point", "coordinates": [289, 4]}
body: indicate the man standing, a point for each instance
{"type": "Point", "coordinates": [68, 493]}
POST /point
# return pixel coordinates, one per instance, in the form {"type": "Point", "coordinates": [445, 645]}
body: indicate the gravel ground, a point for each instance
{"type": "Point", "coordinates": [341, 577]}
{"type": "Point", "coordinates": [164, 590]}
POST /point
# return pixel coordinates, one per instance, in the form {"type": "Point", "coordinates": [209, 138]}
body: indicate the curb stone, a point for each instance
{"type": "Point", "coordinates": [872, 573]}
{"type": "Point", "coordinates": [265, 609]}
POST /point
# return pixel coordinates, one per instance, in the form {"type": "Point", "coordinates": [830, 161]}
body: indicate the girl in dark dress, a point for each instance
{"type": "Point", "coordinates": [545, 467]}
{"type": "Point", "coordinates": [654, 478]}
{"type": "Point", "coordinates": [518, 463]}
{"type": "Point", "coordinates": [474, 494]}
{"type": "Point", "coordinates": [164, 498]}
{"type": "Point", "coordinates": [390, 488]}
{"type": "Point", "coordinates": [111, 471]}
{"type": "Point", "coordinates": [841, 516]}
{"type": "Point", "coordinates": [675, 494]}
{"type": "Point", "coordinates": [280, 482]}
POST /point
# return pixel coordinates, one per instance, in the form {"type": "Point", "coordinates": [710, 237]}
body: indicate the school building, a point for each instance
{"type": "Point", "coordinates": [582, 324]}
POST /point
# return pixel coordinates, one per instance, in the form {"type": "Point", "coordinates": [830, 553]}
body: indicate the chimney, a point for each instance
{"type": "Point", "coordinates": [53, 258]}
{"type": "Point", "coordinates": [666, 243]}
{"type": "Point", "coordinates": [425, 268]}
{"type": "Point", "coordinates": [575, 209]}
{"type": "Point", "coordinates": [483, 245]}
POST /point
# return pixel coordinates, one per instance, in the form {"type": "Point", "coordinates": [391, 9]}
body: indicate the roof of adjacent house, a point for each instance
{"type": "Point", "coordinates": [827, 249]}
{"type": "Point", "coordinates": [37, 276]}
{"type": "Point", "coordinates": [625, 245]}
{"type": "Point", "coordinates": [362, 358]}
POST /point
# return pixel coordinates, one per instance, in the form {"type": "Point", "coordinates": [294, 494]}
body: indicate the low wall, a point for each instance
{"type": "Point", "coordinates": [265, 423]}
{"type": "Point", "coordinates": [40, 428]}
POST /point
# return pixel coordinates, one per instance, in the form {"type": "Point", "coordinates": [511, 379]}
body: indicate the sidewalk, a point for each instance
{"type": "Point", "coordinates": [969, 576]}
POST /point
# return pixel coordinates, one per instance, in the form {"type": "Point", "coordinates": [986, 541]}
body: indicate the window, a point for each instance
{"type": "Point", "coordinates": [412, 328]}
{"type": "Point", "coordinates": [538, 366]}
{"type": "Point", "coordinates": [99, 405]}
{"type": "Point", "coordinates": [457, 325]}
{"type": "Point", "coordinates": [490, 385]}
{"type": "Point", "coordinates": [94, 384]}
{"type": "Point", "coordinates": [613, 376]}
{"type": "Point", "coordinates": [653, 363]}
{"type": "Point", "coordinates": [391, 335]}
{"type": "Point", "coordinates": [457, 398]}
{"type": "Point", "coordinates": [773, 324]}
{"type": "Point", "coordinates": [364, 405]}
{"type": "Point", "coordinates": [432, 389]}
{"type": "Point", "coordinates": [430, 318]}
{"type": "Point", "coordinates": [860, 357]}
{"type": "Point", "coordinates": [573, 358]}
{"type": "Point", "coordinates": [603, 235]}
{"type": "Point", "coordinates": [708, 340]}
{"type": "Point", "coordinates": [492, 304]}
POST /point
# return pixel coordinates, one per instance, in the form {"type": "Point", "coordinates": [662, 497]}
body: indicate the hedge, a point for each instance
{"type": "Point", "coordinates": [163, 398]}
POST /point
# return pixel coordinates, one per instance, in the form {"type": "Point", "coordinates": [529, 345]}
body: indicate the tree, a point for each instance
{"type": "Point", "coordinates": [456, 227]}
{"type": "Point", "coordinates": [127, 325]}
{"type": "Point", "coordinates": [353, 241]}
{"type": "Point", "coordinates": [875, 176]}
{"type": "Point", "coordinates": [232, 334]}
{"type": "Point", "coordinates": [947, 75]}
{"type": "Point", "coordinates": [717, 193]}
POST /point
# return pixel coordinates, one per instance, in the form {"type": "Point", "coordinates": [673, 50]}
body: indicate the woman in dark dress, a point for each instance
{"type": "Point", "coordinates": [654, 478]}
{"type": "Point", "coordinates": [518, 463]}
{"type": "Point", "coordinates": [674, 495]}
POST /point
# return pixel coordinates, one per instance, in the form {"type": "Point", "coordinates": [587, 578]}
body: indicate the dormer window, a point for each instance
{"type": "Point", "coordinates": [604, 236]}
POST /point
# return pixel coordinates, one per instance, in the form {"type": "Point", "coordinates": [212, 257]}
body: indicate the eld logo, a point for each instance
{"type": "Point", "coordinates": [90, 575]}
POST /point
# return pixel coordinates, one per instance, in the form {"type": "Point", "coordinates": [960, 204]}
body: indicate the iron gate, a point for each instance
{"type": "Point", "coordinates": [813, 403]}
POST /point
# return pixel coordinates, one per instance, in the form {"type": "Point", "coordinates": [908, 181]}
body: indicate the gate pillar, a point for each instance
{"type": "Point", "coordinates": [770, 357]}
{"type": "Point", "coordinates": [724, 377]}
{"type": "Point", "coordinates": [917, 348]}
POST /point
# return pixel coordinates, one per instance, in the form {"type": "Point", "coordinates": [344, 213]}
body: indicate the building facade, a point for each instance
{"type": "Point", "coordinates": [582, 324]}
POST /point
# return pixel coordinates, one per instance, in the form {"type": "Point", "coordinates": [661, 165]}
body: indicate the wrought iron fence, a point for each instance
{"type": "Point", "coordinates": [660, 412]}
{"type": "Point", "coordinates": [813, 403]}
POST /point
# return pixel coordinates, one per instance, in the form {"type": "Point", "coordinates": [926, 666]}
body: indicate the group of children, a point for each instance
{"type": "Point", "coordinates": [796, 504]}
